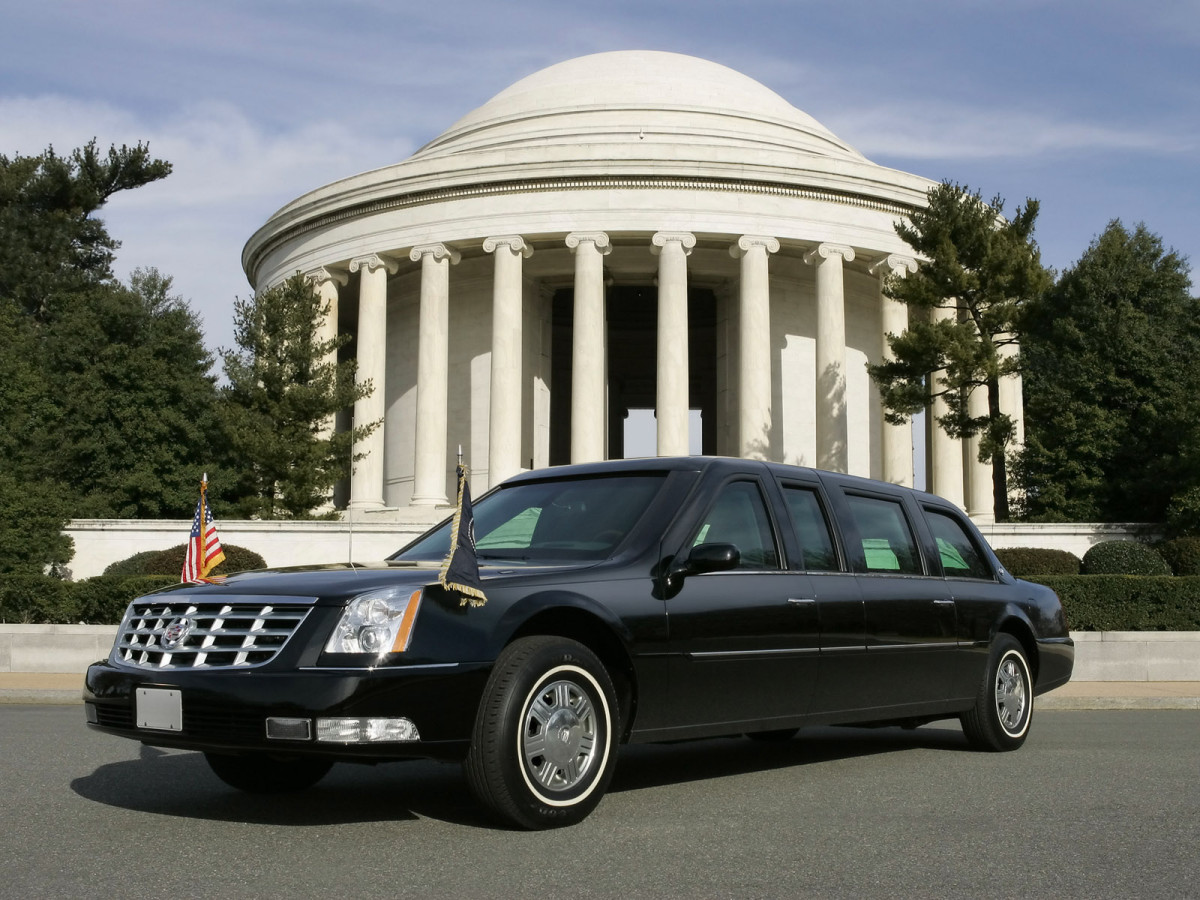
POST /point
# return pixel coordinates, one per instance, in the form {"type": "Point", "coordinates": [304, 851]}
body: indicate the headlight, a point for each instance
{"type": "Point", "coordinates": [376, 623]}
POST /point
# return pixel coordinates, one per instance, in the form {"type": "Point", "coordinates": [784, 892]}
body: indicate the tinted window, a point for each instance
{"type": "Point", "coordinates": [960, 555]}
{"type": "Point", "coordinates": [739, 517]}
{"type": "Point", "coordinates": [887, 539]}
{"type": "Point", "coordinates": [812, 529]}
{"type": "Point", "coordinates": [581, 518]}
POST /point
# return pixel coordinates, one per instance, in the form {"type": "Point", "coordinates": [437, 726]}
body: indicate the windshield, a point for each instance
{"type": "Point", "coordinates": [550, 521]}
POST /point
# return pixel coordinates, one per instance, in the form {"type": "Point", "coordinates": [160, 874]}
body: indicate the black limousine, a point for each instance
{"type": "Point", "coordinates": [627, 601]}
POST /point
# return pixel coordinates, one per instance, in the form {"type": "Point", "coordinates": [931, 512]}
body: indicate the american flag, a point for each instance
{"type": "Point", "coordinates": [204, 547]}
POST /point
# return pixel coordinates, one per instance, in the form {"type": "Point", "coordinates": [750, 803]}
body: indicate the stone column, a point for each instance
{"type": "Point", "coordinates": [326, 282]}
{"type": "Point", "coordinates": [504, 412]}
{"type": "Point", "coordinates": [754, 345]}
{"type": "Point", "coordinates": [980, 500]}
{"type": "Point", "coordinates": [895, 441]}
{"type": "Point", "coordinates": [1012, 404]}
{"type": "Point", "coordinates": [588, 380]}
{"type": "Point", "coordinates": [945, 454]}
{"type": "Point", "coordinates": [832, 422]}
{"type": "Point", "coordinates": [433, 373]}
{"type": "Point", "coordinates": [672, 401]}
{"type": "Point", "coordinates": [366, 479]}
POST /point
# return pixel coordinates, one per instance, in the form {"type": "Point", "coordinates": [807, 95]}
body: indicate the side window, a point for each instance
{"type": "Point", "coordinates": [887, 539]}
{"type": "Point", "coordinates": [959, 553]}
{"type": "Point", "coordinates": [739, 517]}
{"type": "Point", "coordinates": [812, 529]}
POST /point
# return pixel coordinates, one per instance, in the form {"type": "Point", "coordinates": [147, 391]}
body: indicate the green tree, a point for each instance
{"type": "Point", "coordinates": [982, 268]}
{"type": "Point", "coordinates": [51, 246]}
{"type": "Point", "coordinates": [282, 395]}
{"type": "Point", "coordinates": [136, 420]}
{"type": "Point", "coordinates": [1112, 409]}
{"type": "Point", "coordinates": [106, 398]}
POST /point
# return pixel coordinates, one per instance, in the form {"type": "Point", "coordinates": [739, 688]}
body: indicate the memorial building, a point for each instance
{"type": "Point", "coordinates": [624, 231]}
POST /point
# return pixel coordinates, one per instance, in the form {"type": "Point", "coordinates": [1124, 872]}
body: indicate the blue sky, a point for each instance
{"type": "Point", "coordinates": [1091, 107]}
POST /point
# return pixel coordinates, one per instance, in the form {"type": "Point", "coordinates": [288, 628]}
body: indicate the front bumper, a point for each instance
{"type": "Point", "coordinates": [227, 711]}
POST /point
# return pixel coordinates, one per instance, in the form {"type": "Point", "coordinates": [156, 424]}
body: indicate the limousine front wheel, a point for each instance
{"type": "Point", "coordinates": [543, 749]}
{"type": "Point", "coordinates": [1004, 707]}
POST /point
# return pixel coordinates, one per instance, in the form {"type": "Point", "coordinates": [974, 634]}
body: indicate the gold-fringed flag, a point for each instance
{"type": "Point", "coordinates": [460, 569]}
{"type": "Point", "coordinates": [204, 551]}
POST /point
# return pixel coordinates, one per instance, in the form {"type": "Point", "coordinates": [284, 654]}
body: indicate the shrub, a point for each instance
{"type": "Point", "coordinates": [1182, 555]}
{"type": "Point", "coordinates": [37, 599]}
{"type": "Point", "coordinates": [1026, 561]}
{"type": "Point", "coordinates": [43, 600]}
{"type": "Point", "coordinates": [1123, 558]}
{"type": "Point", "coordinates": [1127, 602]}
{"type": "Point", "coordinates": [102, 600]}
{"type": "Point", "coordinates": [170, 562]}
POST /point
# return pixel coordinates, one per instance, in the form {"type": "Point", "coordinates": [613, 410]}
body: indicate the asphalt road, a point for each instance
{"type": "Point", "coordinates": [1097, 804]}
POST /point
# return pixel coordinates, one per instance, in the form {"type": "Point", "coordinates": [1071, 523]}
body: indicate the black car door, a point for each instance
{"type": "Point", "coordinates": [744, 642]}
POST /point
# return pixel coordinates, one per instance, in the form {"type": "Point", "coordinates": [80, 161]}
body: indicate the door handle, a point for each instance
{"type": "Point", "coordinates": [943, 602]}
{"type": "Point", "coordinates": [799, 600]}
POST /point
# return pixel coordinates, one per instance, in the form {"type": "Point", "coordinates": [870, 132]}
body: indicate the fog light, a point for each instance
{"type": "Point", "coordinates": [366, 731]}
{"type": "Point", "coordinates": [90, 714]}
{"type": "Point", "coordinates": [284, 729]}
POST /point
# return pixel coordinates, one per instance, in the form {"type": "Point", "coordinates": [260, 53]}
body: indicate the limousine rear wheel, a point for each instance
{"type": "Point", "coordinates": [543, 748]}
{"type": "Point", "coordinates": [1004, 707]}
{"type": "Point", "coordinates": [261, 773]}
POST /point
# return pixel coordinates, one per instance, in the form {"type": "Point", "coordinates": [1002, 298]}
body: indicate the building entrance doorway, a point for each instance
{"type": "Point", "coordinates": [632, 341]}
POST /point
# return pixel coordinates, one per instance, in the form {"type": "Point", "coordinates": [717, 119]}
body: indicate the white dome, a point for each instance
{"type": "Point", "coordinates": [646, 95]}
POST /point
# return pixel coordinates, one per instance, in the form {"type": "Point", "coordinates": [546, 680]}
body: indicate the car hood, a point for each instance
{"type": "Point", "coordinates": [336, 582]}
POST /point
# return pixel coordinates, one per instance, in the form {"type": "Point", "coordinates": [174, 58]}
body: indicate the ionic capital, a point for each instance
{"type": "Point", "coordinates": [596, 238]}
{"type": "Point", "coordinates": [374, 261]}
{"type": "Point", "coordinates": [828, 251]}
{"type": "Point", "coordinates": [893, 264]}
{"type": "Point", "coordinates": [660, 239]}
{"type": "Point", "coordinates": [747, 242]}
{"type": "Point", "coordinates": [324, 275]}
{"type": "Point", "coordinates": [513, 242]}
{"type": "Point", "coordinates": [437, 251]}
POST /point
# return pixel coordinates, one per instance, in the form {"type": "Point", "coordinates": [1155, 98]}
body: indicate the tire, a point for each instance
{"type": "Point", "coordinates": [543, 749]}
{"type": "Point", "coordinates": [263, 774]}
{"type": "Point", "coordinates": [1003, 709]}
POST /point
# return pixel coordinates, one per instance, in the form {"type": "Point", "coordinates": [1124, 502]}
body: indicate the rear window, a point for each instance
{"type": "Point", "coordinates": [548, 521]}
{"type": "Point", "coordinates": [960, 555]}
{"type": "Point", "coordinates": [887, 540]}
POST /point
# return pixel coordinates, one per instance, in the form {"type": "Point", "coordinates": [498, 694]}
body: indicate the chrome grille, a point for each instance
{"type": "Point", "coordinates": [199, 633]}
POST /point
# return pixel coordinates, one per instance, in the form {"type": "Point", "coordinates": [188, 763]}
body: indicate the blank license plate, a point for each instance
{"type": "Point", "coordinates": [160, 710]}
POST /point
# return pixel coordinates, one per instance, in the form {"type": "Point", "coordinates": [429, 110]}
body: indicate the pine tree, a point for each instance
{"type": "Point", "coordinates": [1112, 385]}
{"type": "Point", "coordinates": [982, 268]}
{"type": "Point", "coordinates": [283, 393]}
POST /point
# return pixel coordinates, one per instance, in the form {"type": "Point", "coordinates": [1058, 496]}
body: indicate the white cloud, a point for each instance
{"type": "Point", "coordinates": [229, 175]}
{"type": "Point", "coordinates": [928, 130]}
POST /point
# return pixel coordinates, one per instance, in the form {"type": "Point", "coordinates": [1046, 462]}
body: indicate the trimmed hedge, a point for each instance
{"type": "Point", "coordinates": [170, 562]}
{"type": "Point", "coordinates": [1182, 555]}
{"type": "Point", "coordinates": [1127, 602]}
{"type": "Point", "coordinates": [42, 600]}
{"type": "Point", "coordinates": [1024, 562]}
{"type": "Point", "coordinates": [1123, 558]}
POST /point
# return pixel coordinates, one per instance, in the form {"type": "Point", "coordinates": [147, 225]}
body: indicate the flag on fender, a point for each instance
{"type": "Point", "coordinates": [204, 551]}
{"type": "Point", "coordinates": [460, 569]}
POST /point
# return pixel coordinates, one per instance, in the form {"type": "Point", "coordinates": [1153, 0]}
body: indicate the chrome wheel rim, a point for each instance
{"type": "Point", "coordinates": [558, 738]}
{"type": "Point", "coordinates": [1012, 694]}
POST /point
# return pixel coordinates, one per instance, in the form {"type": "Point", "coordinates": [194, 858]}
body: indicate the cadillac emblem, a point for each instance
{"type": "Point", "coordinates": [176, 631]}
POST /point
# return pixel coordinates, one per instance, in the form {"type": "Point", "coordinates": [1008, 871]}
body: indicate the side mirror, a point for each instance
{"type": "Point", "coordinates": [707, 558]}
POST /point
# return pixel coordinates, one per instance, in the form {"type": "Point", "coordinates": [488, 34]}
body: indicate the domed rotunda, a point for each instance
{"type": "Point", "coordinates": [624, 231]}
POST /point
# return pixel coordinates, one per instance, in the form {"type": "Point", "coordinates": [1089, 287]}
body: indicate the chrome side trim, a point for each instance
{"type": "Point", "coordinates": [725, 654]}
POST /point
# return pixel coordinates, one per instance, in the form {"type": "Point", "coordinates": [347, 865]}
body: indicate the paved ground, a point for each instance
{"type": "Point", "coordinates": [1096, 804]}
{"type": "Point", "coordinates": [56, 688]}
